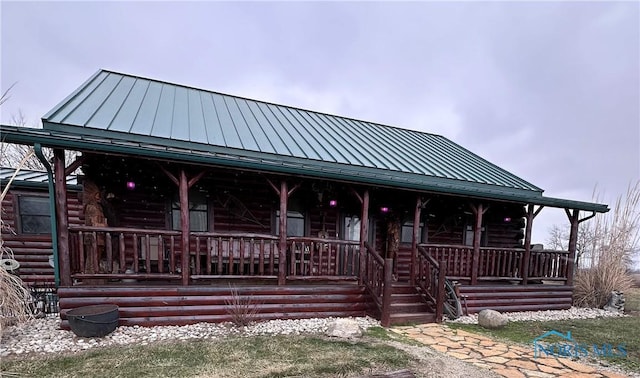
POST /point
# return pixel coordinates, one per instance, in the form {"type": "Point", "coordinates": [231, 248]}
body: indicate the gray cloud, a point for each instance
{"type": "Point", "coordinates": [549, 91]}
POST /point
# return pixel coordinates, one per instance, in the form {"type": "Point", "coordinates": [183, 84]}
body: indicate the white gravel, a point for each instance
{"type": "Point", "coordinates": [43, 336]}
{"type": "Point", "coordinates": [572, 313]}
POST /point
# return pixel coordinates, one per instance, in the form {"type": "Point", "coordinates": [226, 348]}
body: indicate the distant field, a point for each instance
{"type": "Point", "coordinates": [636, 278]}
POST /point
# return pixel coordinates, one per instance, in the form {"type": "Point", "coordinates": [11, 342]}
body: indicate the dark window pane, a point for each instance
{"type": "Point", "coordinates": [35, 224]}
{"type": "Point", "coordinates": [34, 206]}
{"type": "Point", "coordinates": [35, 217]}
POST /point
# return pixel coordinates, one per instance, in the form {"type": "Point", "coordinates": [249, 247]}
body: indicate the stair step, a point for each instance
{"type": "Point", "coordinates": [406, 298]}
{"type": "Point", "coordinates": [402, 288]}
{"type": "Point", "coordinates": [415, 318]}
{"type": "Point", "coordinates": [409, 307]}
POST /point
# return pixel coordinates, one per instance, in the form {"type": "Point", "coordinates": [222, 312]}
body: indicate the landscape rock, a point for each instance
{"type": "Point", "coordinates": [344, 328]}
{"type": "Point", "coordinates": [492, 319]}
{"type": "Point", "coordinates": [616, 302]}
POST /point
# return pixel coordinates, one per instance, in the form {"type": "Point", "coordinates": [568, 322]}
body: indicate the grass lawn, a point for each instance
{"type": "Point", "coordinates": [614, 331]}
{"type": "Point", "coordinates": [632, 299]}
{"type": "Point", "coordinates": [274, 356]}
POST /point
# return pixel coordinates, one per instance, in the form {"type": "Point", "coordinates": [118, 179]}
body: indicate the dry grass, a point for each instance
{"type": "Point", "coordinates": [14, 296]}
{"type": "Point", "coordinates": [243, 310]}
{"type": "Point", "coordinates": [613, 239]}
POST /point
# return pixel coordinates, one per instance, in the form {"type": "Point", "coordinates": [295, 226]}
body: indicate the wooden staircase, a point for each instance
{"type": "Point", "coordinates": [408, 306]}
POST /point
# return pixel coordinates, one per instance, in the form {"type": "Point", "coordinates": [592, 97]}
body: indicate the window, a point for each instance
{"type": "Point", "coordinates": [295, 223]}
{"type": "Point", "coordinates": [407, 232]}
{"type": "Point", "coordinates": [468, 236]}
{"type": "Point", "coordinates": [35, 214]}
{"type": "Point", "coordinates": [352, 228]}
{"type": "Point", "coordinates": [198, 213]}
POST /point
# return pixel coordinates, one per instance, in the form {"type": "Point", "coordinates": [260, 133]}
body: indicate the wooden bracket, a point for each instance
{"type": "Point", "coordinates": [170, 175]}
{"type": "Point", "coordinates": [75, 165]}
{"type": "Point", "coordinates": [275, 188]}
{"type": "Point", "coordinates": [195, 179]}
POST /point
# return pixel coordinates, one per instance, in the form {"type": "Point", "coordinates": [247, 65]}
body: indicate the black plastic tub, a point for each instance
{"type": "Point", "coordinates": [93, 321]}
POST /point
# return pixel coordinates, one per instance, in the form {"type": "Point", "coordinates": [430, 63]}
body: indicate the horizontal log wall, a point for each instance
{"type": "Point", "coordinates": [150, 306]}
{"type": "Point", "coordinates": [32, 251]}
{"type": "Point", "coordinates": [515, 297]}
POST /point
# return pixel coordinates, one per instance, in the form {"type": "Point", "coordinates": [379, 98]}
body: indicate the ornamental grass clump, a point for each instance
{"type": "Point", "coordinates": [14, 296]}
{"type": "Point", "coordinates": [608, 252]}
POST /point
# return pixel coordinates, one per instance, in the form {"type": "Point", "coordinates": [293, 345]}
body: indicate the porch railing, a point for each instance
{"type": "Point", "coordinates": [126, 253]}
{"type": "Point", "coordinates": [430, 279]}
{"type": "Point", "coordinates": [499, 263]}
{"type": "Point", "coordinates": [549, 265]}
{"type": "Point", "coordinates": [309, 258]}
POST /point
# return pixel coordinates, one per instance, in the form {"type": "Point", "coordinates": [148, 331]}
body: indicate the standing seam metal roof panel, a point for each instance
{"type": "Point", "coordinates": [116, 102]}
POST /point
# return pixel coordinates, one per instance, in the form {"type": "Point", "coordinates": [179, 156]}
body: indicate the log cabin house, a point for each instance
{"type": "Point", "coordinates": [189, 195]}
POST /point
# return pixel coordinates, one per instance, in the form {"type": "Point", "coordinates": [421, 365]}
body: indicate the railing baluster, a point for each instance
{"type": "Point", "coordinates": [209, 252]}
{"type": "Point", "coordinates": [123, 260]}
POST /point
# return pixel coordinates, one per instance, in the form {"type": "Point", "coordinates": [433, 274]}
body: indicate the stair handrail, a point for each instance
{"type": "Point", "coordinates": [431, 280]}
{"type": "Point", "coordinates": [374, 276]}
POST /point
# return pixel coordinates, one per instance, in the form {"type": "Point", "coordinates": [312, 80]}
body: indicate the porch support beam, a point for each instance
{"type": "Point", "coordinates": [414, 241]}
{"type": "Point", "coordinates": [282, 249]}
{"type": "Point", "coordinates": [531, 214]}
{"type": "Point", "coordinates": [479, 211]}
{"type": "Point", "coordinates": [364, 232]}
{"type": "Point", "coordinates": [60, 183]}
{"type": "Point", "coordinates": [575, 220]}
{"type": "Point", "coordinates": [183, 189]}
{"type": "Point", "coordinates": [573, 216]}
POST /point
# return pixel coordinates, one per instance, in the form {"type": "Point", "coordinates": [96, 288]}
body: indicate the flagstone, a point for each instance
{"type": "Point", "coordinates": [491, 352]}
{"type": "Point", "coordinates": [549, 361]}
{"type": "Point", "coordinates": [576, 366]}
{"type": "Point", "coordinates": [511, 355]}
{"type": "Point", "coordinates": [458, 355]}
{"type": "Point", "coordinates": [496, 359]}
{"type": "Point", "coordinates": [510, 373]}
{"type": "Point", "coordinates": [487, 343]}
{"type": "Point", "coordinates": [525, 364]}
{"type": "Point", "coordinates": [551, 370]}
{"type": "Point", "coordinates": [537, 374]}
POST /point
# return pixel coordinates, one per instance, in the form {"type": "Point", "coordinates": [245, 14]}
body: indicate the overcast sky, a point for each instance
{"type": "Point", "coordinates": [547, 90]}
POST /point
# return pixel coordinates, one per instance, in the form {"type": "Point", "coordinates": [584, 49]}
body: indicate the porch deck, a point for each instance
{"type": "Point", "coordinates": [142, 271]}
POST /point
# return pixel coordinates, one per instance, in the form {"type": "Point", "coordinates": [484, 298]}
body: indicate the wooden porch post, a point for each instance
{"type": "Point", "coordinates": [414, 241]}
{"type": "Point", "coordinates": [282, 255]}
{"type": "Point", "coordinates": [527, 242]}
{"type": "Point", "coordinates": [477, 235]}
{"type": "Point", "coordinates": [364, 234]}
{"type": "Point", "coordinates": [185, 227]}
{"type": "Point", "coordinates": [573, 241]}
{"type": "Point", "coordinates": [60, 181]}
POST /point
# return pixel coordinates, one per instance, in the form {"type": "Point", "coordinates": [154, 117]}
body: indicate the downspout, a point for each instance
{"type": "Point", "coordinates": [37, 147]}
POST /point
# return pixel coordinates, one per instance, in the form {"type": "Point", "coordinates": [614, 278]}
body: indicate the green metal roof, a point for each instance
{"type": "Point", "coordinates": [113, 112]}
{"type": "Point", "coordinates": [31, 178]}
{"type": "Point", "coordinates": [120, 103]}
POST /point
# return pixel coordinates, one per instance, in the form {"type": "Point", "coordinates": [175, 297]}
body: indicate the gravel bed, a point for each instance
{"type": "Point", "coordinates": [572, 313]}
{"type": "Point", "coordinates": [44, 336]}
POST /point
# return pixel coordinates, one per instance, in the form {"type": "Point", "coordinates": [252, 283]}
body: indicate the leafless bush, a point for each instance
{"type": "Point", "coordinates": [612, 242]}
{"type": "Point", "coordinates": [243, 309]}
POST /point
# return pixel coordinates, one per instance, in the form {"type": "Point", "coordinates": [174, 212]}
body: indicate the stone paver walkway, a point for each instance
{"type": "Point", "coordinates": [511, 361]}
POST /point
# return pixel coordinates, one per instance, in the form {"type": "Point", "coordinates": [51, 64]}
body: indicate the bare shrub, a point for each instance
{"type": "Point", "coordinates": [243, 309]}
{"type": "Point", "coordinates": [611, 243]}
